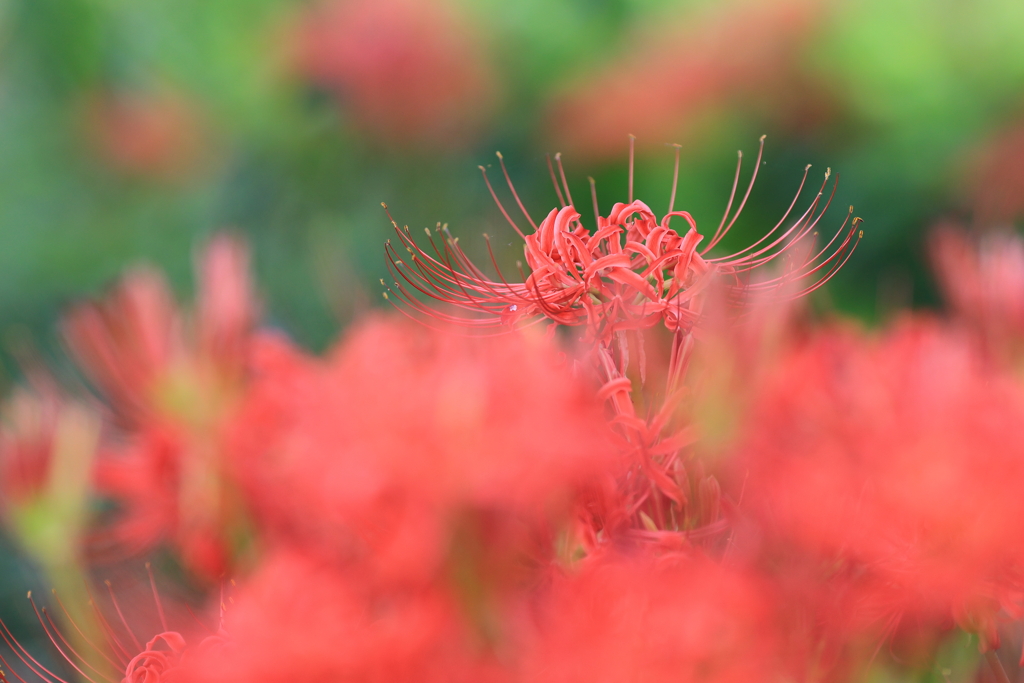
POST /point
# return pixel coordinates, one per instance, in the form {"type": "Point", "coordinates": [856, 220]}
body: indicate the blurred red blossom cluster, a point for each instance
{"type": "Point", "coordinates": [659, 467]}
{"type": "Point", "coordinates": [410, 72]}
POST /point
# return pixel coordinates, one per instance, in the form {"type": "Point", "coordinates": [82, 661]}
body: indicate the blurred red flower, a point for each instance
{"type": "Point", "coordinates": [299, 619]}
{"type": "Point", "coordinates": [901, 457]}
{"type": "Point", "coordinates": [672, 619]}
{"type": "Point", "coordinates": [409, 71]}
{"type": "Point", "coordinates": [996, 177]}
{"type": "Point", "coordinates": [172, 380]}
{"type": "Point", "coordinates": [982, 278]}
{"type": "Point", "coordinates": [146, 134]}
{"type": "Point", "coordinates": [669, 79]}
{"type": "Point", "coordinates": [378, 451]}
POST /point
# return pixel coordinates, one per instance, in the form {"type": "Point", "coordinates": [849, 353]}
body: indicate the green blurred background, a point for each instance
{"type": "Point", "coordinates": [132, 129]}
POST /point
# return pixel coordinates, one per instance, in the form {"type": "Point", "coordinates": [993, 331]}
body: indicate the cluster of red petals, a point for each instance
{"type": "Point", "coordinates": [899, 458]}
{"type": "Point", "coordinates": [300, 619]}
{"type": "Point", "coordinates": [674, 618]}
{"type": "Point", "coordinates": [982, 278]}
{"type": "Point", "coordinates": [633, 272]}
{"type": "Point", "coordinates": [171, 379]}
{"type": "Point", "coordinates": [405, 427]}
{"type": "Point", "coordinates": [412, 71]}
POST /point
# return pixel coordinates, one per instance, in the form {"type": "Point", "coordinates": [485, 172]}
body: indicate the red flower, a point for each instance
{"type": "Point", "coordinates": [677, 619]}
{"type": "Point", "coordinates": [150, 134]}
{"type": "Point", "coordinates": [172, 381]}
{"type": "Point", "coordinates": [983, 281]}
{"type": "Point", "coordinates": [298, 619]}
{"type": "Point", "coordinates": [380, 448]}
{"type": "Point", "coordinates": [101, 649]}
{"type": "Point", "coordinates": [411, 71]}
{"type": "Point", "coordinates": [670, 78]}
{"type": "Point", "coordinates": [632, 274]}
{"type": "Point", "coordinates": [900, 457]}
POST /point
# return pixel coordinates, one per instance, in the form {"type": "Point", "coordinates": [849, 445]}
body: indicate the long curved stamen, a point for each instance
{"type": "Point", "coordinates": [675, 178]}
{"type": "Point", "coordinates": [505, 172]}
{"type": "Point", "coordinates": [750, 186]}
{"type": "Point", "coordinates": [498, 202]}
{"type": "Point", "coordinates": [561, 173]}
{"type": "Point", "coordinates": [554, 181]}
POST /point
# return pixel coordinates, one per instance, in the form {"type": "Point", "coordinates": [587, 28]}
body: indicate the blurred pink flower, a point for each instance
{"type": "Point", "coordinates": [171, 380]}
{"type": "Point", "coordinates": [674, 618]}
{"type": "Point", "coordinates": [146, 134]}
{"type": "Point", "coordinates": [900, 458]}
{"type": "Point", "coordinates": [669, 79]}
{"type": "Point", "coordinates": [982, 278]}
{"type": "Point", "coordinates": [410, 72]}
{"type": "Point", "coordinates": [996, 177]}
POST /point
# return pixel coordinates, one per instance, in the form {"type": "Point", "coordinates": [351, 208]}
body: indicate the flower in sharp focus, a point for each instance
{"type": "Point", "coordinates": [632, 272]}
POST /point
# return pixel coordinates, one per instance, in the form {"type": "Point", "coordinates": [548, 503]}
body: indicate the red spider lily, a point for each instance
{"type": "Point", "coordinates": [149, 134]}
{"type": "Point", "coordinates": [696, 64]}
{"type": "Point", "coordinates": [632, 274]}
{"type": "Point", "coordinates": [114, 647]}
{"type": "Point", "coordinates": [48, 447]}
{"type": "Point", "coordinates": [675, 619]}
{"type": "Point", "coordinates": [900, 458]}
{"type": "Point", "coordinates": [983, 280]}
{"type": "Point", "coordinates": [996, 181]}
{"type": "Point", "coordinates": [413, 71]}
{"type": "Point", "coordinates": [171, 382]}
{"type": "Point", "coordinates": [375, 453]}
{"type": "Point", "coordinates": [300, 619]}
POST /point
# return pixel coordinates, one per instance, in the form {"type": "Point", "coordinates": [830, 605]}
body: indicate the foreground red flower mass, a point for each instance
{"type": "Point", "coordinates": [899, 456]}
{"type": "Point", "coordinates": [380, 448]}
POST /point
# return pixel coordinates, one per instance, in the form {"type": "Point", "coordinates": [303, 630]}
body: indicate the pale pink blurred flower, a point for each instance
{"type": "Point", "coordinates": [670, 80]}
{"type": "Point", "coordinates": [150, 134]}
{"type": "Point", "coordinates": [410, 72]}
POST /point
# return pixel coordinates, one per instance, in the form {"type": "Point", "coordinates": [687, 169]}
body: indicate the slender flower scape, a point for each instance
{"type": "Point", "coordinates": [632, 274]}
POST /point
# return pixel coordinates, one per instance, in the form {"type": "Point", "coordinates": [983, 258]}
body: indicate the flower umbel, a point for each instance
{"type": "Point", "coordinates": [631, 275]}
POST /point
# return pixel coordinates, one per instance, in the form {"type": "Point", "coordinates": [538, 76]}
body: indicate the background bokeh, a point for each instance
{"type": "Point", "coordinates": [132, 129]}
